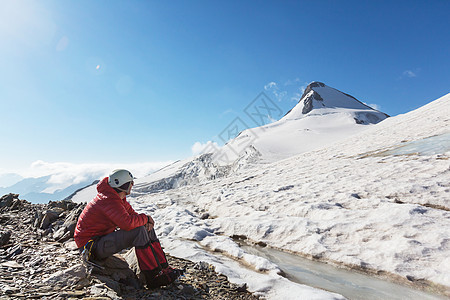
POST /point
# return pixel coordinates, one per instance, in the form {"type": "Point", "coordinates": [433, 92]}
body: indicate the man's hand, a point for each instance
{"type": "Point", "coordinates": [150, 224]}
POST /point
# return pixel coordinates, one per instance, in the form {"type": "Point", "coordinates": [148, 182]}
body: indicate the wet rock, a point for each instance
{"type": "Point", "coordinates": [242, 288]}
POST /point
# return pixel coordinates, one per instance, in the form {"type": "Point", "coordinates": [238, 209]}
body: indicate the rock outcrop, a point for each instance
{"type": "Point", "coordinates": [39, 259]}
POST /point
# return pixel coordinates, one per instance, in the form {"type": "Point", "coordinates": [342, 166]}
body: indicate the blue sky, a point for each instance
{"type": "Point", "coordinates": [141, 81]}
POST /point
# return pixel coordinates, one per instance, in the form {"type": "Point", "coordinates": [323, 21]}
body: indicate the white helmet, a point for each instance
{"type": "Point", "coordinates": [120, 177]}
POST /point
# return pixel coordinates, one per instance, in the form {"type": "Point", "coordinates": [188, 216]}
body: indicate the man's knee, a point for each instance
{"type": "Point", "coordinates": [141, 236]}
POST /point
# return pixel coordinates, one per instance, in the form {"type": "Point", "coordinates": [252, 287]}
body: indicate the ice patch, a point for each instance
{"type": "Point", "coordinates": [434, 145]}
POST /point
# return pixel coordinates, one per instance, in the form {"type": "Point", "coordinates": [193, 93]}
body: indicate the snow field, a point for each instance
{"type": "Point", "coordinates": [350, 203]}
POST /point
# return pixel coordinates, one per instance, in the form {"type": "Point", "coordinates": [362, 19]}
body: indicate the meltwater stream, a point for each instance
{"type": "Point", "coordinates": [351, 285]}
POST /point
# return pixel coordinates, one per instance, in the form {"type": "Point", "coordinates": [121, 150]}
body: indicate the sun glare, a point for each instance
{"type": "Point", "coordinates": [26, 23]}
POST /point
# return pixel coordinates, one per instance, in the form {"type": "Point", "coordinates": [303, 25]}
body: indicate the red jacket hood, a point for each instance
{"type": "Point", "coordinates": [105, 189]}
{"type": "Point", "coordinates": [106, 212]}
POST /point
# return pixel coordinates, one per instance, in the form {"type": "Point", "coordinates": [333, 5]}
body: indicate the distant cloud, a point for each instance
{"type": "Point", "coordinates": [291, 90]}
{"type": "Point", "coordinates": [374, 106]}
{"type": "Point", "coordinates": [296, 97]}
{"type": "Point", "coordinates": [198, 147]}
{"type": "Point", "coordinates": [228, 111]}
{"type": "Point", "coordinates": [409, 73]}
{"type": "Point", "coordinates": [64, 174]}
{"type": "Point", "coordinates": [275, 90]}
{"type": "Point", "coordinates": [270, 85]}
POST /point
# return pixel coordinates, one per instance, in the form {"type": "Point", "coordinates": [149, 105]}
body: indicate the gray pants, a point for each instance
{"type": "Point", "coordinates": [116, 241]}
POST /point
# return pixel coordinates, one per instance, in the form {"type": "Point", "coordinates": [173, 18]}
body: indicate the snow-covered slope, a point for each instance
{"type": "Point", "coordinates": [377, 201]}
{"type": "Point", "coordinates": [323, 116]}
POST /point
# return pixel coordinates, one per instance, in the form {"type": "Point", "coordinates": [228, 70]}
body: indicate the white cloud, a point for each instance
{"type": "Point", "coordinates": [409, 73]}
{"type": "Point", "coordinates": [374, 106]}
{"type": "Point", "coordinates": [64, 174]}
{"type": "Point", "coordinates": [207, 147]}
{"type": "Point", "coordinates": [228, 111]}
{"type": "Point", "coordinates": [290, 90]}
{"type": "Point", "coordinates": [270, 85]}
{"type": "Point", "coordinates": [296, 97]}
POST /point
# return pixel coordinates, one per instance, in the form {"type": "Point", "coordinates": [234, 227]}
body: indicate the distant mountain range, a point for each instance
{"type": "Point", "coordinates": [41, 189]}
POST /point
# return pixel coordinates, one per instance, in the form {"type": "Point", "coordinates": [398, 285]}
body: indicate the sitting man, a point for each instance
{"type": "Point", "coordinates": [108, 224]}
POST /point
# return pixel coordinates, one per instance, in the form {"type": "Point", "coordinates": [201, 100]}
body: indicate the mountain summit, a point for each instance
{"type": "Point", "coordinates": [319, 98]}
{"type": "Point", "coordinates": [323, 116]}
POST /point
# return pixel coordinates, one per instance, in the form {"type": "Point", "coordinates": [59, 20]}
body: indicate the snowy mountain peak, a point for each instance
{"type": "Point", "coordinates": [320, 99]}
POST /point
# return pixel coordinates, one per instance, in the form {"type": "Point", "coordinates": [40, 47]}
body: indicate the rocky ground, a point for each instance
{"type": "Point", "coordinates": [39, 260]}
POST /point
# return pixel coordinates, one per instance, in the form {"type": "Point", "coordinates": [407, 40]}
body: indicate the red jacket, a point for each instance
{"type": "Point", "coordinates": [104, 214]}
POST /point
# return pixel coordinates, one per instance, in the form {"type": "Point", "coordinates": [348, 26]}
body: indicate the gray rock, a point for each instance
{"type": "Point", "coordinates": [109, 283]}
{"type": "Point", "coordinates": [63, 204]}
{"type": "Point", "coordinates": [12, 264]}
{"type": "Point", "coordinates": [49, 217]}
{"type": "Point", "coordinates": [7, 200]}
{"type": "Point", "coordinates": [118, 269]}
{"type": "Point", "coordinates": [242, 288]}
{"type": "Point", "coordinates": [68, 277]}
{"type": "Point", "coordinates": [14, 250]}
{"type": "Point", "coordinates": [133, 264]}
{"type": "Point", "coordinates": [64, 238]}
{"type": "Point", "coordinates": [16, 204]}
{"type": "Point", "coordinates": [355, 195]}
{"type": "Point", "coordinates": [38, 215]}
{"type": "Point", "coordinates": [188, 290]}
{"type": "Point", "coordinates": [4, 237]}
{"type": "Point", "coordinates": [204, 216]}
{"type": "Point", "coordinates": [71, 220]}
{"type": "Point", "coordinates": [59, 234]}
